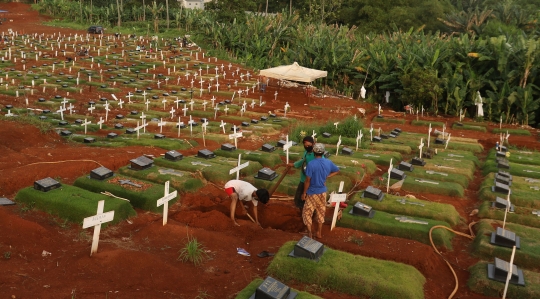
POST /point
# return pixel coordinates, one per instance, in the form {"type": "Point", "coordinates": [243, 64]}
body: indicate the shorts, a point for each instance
{"type": "Point", "coordinates": [230, 191]}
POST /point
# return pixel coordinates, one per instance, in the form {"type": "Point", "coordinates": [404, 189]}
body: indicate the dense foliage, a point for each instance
{"type": "Point", "coordinates": [484, 46]}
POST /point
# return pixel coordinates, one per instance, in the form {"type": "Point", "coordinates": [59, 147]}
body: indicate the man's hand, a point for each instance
{"type": "Point", "coordinates": [304, 196]}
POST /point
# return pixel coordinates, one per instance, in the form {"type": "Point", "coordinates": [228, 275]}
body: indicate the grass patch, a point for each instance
{"type": "Point", "coordinates": [467, 167]}
{"type": "Point", "coordinates": [479, 283]}
{"type": "Point", "coordinates": [528, 256]}
{"type": "Point", "coordinates": [447, 168]}
{"type": "Point", "coordinates": [388, 120]}
{"type": "Point", "coordinates": [73, 203]}
{"type": "Point", "coordinates": [43, 126]}
{"type": "Point", "coordinates": [431, 210]}
{"type": "Point", "coordinates": [457, 154]}
{"type": "Point", "coordinates": [443, 188]}
{"type": "Point", "coordinates": [145, 139]}
{"type": "Point", "coordinates": [462, 180]}
{"type": "Point", "coordinates": [347, 128]}
{"type": "Point", "coordinates": [145, 200]}
{"type": "Point", "coordinates": [351, 274]}
{"type": "Point", "coordinates": [390, 147]}
{"type": "Point", "coordinates": [264, 158]}
{"type": "Point", "coordinates": [519, 197]}
{"type": "Point", "coordinates": [250, 290]}
{"type": "Point", "coordinates": [193, 251]}
{"type": "Point", "coordinates": [520, 216]}
{"type": "Point", "coordinates": [522, 132]}
{"type": "Point", "coordinates": [426, 123]}
{"type": "Point", "coordinates": [470, 128]}
{"type": "Point", "coordinates": [184, 182]}
{"type": "Point", "coordinates": [384, 223]}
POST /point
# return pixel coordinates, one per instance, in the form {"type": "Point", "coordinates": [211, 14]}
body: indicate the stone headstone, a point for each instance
{"type": "Point", "coordinates": [418, 162]}
{"type": "Point", "coordinates": [397, 174]}
{"type": "Point", "coordinates": [439, 141]}
{"type": "Point", "coordinates": [131, 131]}
{"type": "Point", "coordinates": [384, 136]}
{"type": "Point", "coordinates": [89, 140]}
{"type": "Point", "coordinates": [501, 154]}
{"type": "Point", "coordinates": [204, 153]}
{"type": "Point", "coordinates": [65, 133]}
{"type": "Point", "coordinates": [282, 143]}
{"type": "Point", "coordinates": [347, 151]}
{"type": "Point", "coordinates": [363, 210]}
{"type": "Point", "coordinates": [63, 123]}
{"type": "Point", "coordinates": [134, 112]}
{"type": "Point", "coordinates": [101, 173]}
{"type": "Point", "coordinates": [173, 156]}
{"type": "Point", "coordinates": [498, 271]}
{"type": "Point", "coordinates": [268, 148]}
{"type": "Point", "coordinates": [245, 124]}
{"type": "Point", "coordinates": [228, 147]}
{"type": "Point", "coordinates": [141, 163]}
{"type": "Point", "coordinates": [254, 121]}
{"type": "Point", "coordinates": [112, 135]}
{"type": "Point", "coordinates": [505, 238]}
{"type": "Point", "coordinates": [405, 166]}
{"type": "Point", "coordinates": [119, 116]}
{"type": "Point", "coordinates": [273, 289]}
{"type": "Point", "coordinates": [505, 174]}
{"type": "Point", "coordinates": [6, 202]}
{"type": "Point", "coordinates": [503, 179]}
{"type": "Point", "coordinates": [377, 139]}
{"type": "Point", "coordinates": [503, 149]}
{"type": "Point", "coordinates": [501, 203]}
{"type": "Point", "coordinates": [398, 130]}
{"type": "Point", "coordinates": [373, 193]}
{"type": "Point", "coordinates": [159, 136]}
{"type": "Point", "coordinates": [503, 163]}
{"type": "Point", "coordinates": [264, 118]}
{"type": "Point", "coordinates": [326, 135]}
{"type": "Point", "coordinates": [272, 115]}
{"type": "Point", "coordinates": [393, 135]}
{"type": "Point", "coordinates": [501, 188]}
{"type": "Point", "coordinates": [308, 248]}
{"type": "Point", "coordinates": [266, 174]}
{"type": "Point", "coordinates": [47, 184]}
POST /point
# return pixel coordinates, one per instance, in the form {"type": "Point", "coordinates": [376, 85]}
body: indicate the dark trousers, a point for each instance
{"type": "Point", "coordinates": [298, 202]}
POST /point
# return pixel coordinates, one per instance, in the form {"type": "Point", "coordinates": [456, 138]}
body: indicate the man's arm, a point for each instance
{"type": "Point", "coordinates": [306, 187]}
{"type": "Point", "coordinates": [256, 214]}
{"type": "Point", "coordinates": [333, 170]}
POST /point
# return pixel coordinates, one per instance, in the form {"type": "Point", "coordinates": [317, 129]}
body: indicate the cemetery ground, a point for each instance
{"type": "Point", "coordinates": [45, 256]}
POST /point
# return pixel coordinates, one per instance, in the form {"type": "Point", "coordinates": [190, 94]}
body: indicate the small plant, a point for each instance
{"type": "Point", "coordinates": [193, 251]}
{"type": "Point", "coordinates": [7, 255]}
{"type": "Point", "coordinates": [28, 207]}
{"type": "Point", "coordinates": [356, 240]}
{"type": "Point", "coordinates": [203, 294]}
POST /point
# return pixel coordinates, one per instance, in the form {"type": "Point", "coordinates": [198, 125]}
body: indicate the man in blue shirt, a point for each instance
{"type": "Point", "coordinates": [314, 194]}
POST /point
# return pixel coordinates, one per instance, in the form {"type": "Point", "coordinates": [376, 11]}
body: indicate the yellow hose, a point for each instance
{"type": "Point", "coordinates": [471, 236]}
{"type": "Point", "coordinates": [60, 162]}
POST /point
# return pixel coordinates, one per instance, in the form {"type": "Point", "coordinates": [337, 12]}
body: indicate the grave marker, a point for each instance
{"type": "Point", "coordinates": [235, 136]}
{"type": "Point", "coordinates": [338, 144]}
{"type": "Point", "coordinates": [308, 248]}
{"type": "Point", "coordinates": [100, 122]}
{"type": "Point", "coordinates": [389, 177]}
{"type": "Point", "coordinates": [160, 124]}
{"type": "Point", "coordinates": [286, 147]}
{"type": "Point", "coordinates": [359, 139]}
{"type": "Point", "coordinates": [165, 201]}
{"type": "Point", "coordinates": [239, 167]}
{"type": "Point", "coordinates": [337, 199]}
{"type": "Point", "coordinates": [96, 222]}
{"type": "Point", "coordinates": [85, 123]}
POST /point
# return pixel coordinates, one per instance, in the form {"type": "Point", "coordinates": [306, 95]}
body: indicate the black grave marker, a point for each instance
{"type": "Point", "coordinates": [392, 135]}
{"type": "Point", "coordinates": [363, 210]}
{"type": "Point", "coordinates": [141, 163]}
{"type": "Point", "coordinates": [204, 153]}
{"type": "Point", "coordinates": [65, 133]}
{"type": "Point", "coordinates": [89, 140]}
{"type": "Point", "coordinates": [384, 136]}
{"type": "Point", "coordinates": [405, 166]}
{"type": "Point", "coordinates": [272, 115]}
{"type": "Point", "coordinates": [499, 271]}
{"type": "Point", "coordinates": [308, 248]}
{"type": "Point", "coordinates": [130, 131]}
{"type": "Point", "coordinates": [503, 179]}
{"type": "Point", "coordinates": [101, 173]}
{"type": "Point", "coordinates": [505, 174]}
{"type": "Point", "coordinates": [63, 123]}
{"type": "Point", "coordinates": [264, 118]}
{"type": "Point", "coordinates": [173, 156]}
{"type": "Point", "coordinates": [119, 116]}
{"type": "Point", "coordinates": [501, 188]}
{"type": "Point", "coordinates": [119, 126]}
{"type": "Point", "coordinates": [266, 174]}
{"type": "Point", "coordinates": [501, 154]}
{"type": "Point", "coordinates": [503, 164]}
{"type": "Point", "coordinates": [505, 238]}
{"type": "Point", "coordinates": [46, 184]}
{"type": "Point", "coordinates": [417, 161]}
{"type": "Point", "coordinates": [268, 148]}
{"type": "Point", "coordinates": [373, 193]}
{"type": "Point", "coordinates": [439, 141]}
{"type": "Point", "coordinates": [501, 203]}
{"type": "Point", "coordinates": [377, 139]}
{"type": "Point", "coordinates": [273, 289]}
{"type": "Point", "coordinates": [228, 147]}
{"type": "Point", "coordinates": [112, 135]}
{"type": "Point", "coordinates": [159, 136]}
{"type": "Point", "coordinates": [245, 124]}
{"type": "Point", "coordinates": [282, 143]}
{"type": "Point", "coordinates": [347, 151]}
{"type": "Point", "coordinates": [134, 112]}
{"type": "Point", "coordinates": [6, 202]}
{"type": "Point", "coordinates": [326, 135]}
{"type": "Point", "coordinates": [254, 121]}
{"type": "Point", "coordinates": [397, 174]}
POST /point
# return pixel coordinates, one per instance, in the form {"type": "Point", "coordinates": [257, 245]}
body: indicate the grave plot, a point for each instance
{"type": "Point", "coordinates": [148, 139]}
{"type": "Point", "coordinates": [350, 274]}
{"type": "Point", "coordinates": [480, 283]}
{"type": "Point", "coordinates": [517, 169]}
{"type": "Point", "coordinates": [527, 254]}
{"type": "Point", "coordinates": [394, 120]}
{"type": "Point", "coordinates": [430, 185]}
{"type": "Point", "coordinates": [141, 194]}
{"type": "Point", "coordinates": [182, 181]}
{"type": "Point", "coordinates": [519, 157]}
{"type": "Point", "coordinates": [472, 126]}
{"type": "Point", "coordinates": [250, 289]}
{"type": "Point", "coordinates": [521, 132]}
{"type": "Point", "coordinates": [426, 123]}
{"type": "Point", "coordinates": [73, 203]}
{"type": "Point", "coordinates": [398, 224]}
{"type": "Point", "coordinates": [520, 215]}
{"type": "Point", "coordinates": [522, 195]}
{"type": "Point", "coordinates": [266, 159]}
{"type": "Point", "coordinates": [215, 170]}
{"type": "Point", "coordinates": [449, 142]}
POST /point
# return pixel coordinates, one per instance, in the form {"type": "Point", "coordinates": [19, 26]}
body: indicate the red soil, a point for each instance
{"type": "Point", "coordinates": [138, 259]}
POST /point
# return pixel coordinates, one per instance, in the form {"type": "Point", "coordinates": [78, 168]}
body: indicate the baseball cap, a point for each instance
{"type": "Point", "coordinates": [318, 148]}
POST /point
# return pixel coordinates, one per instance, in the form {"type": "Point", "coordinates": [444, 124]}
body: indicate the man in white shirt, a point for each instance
{"type": "Point", "coordinates": [244, 191]}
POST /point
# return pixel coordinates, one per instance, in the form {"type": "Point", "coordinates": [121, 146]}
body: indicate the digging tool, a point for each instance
{"type": "Point", "coordinates": [273, 189]}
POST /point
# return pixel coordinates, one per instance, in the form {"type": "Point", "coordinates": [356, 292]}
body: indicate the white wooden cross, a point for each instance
{"type": "Point", "coordinates": [91, 109]}
{"type": "Point", "coordinates": [160, 124]}
{"type": "Point", "coordinates": [379, 109]}
{"type": "Point", "coordinates": [172, 112]}
{"type": "Point", "coordinates": [286, 107]}
{"type": "Point", "coordinates": [144, 96]}
{"type": "Point", "coordinates": [336, 124]}
{"type": "Point", "coordinates": [138, 128]}
{"type": "Point", "coordinates": [338, 144]}
{"type": "Point", "coordinates": [179, 124]}
{"type": "Point", "coordinates": [359, 139]}
{"type": "Point", "coordinates": [177, 101]}
{"type": "Point", "coordinates": [287, 146]}
{"type": "Point", "coordinates": [252, 104]}
{"type": "Point", "coordinates": [216, 109]}
{"type": "Point", "coordinates": [96, 222]}
{"type": "Point", "coordinates": [217, 86]}
{"type": "Point", "coordinates": [235, 136]}
{"type": "Point", "coordinates": [460, 114]}
{"type": "Point", "coordinates": [100, 122]}
{"type": "Point", "coordinates": [226, 109]}
{"type": "Point", "coordinates": [447, 140]}
{"type": "Point", "coordinates": [85, 124]}
{"type": "Point", "coordinates": [129, 96]}
{"type": "Point", "coordinates": [222, 126]}
{"type": "Point", "coordinates": [421, 146]}
{"type": "Point", "coordinates": [107, 111]}
{"type": "Point", "coordinates": [185, 109]}
{"type": "Point", "coordinates": [242, 77]}
{"type": "Point", "coordinates": [275, 96]}
{"type": "Point", "coordinates": [204, 105]}
{"type": "Point", "coordinates": [216, 69]}
{"type": "Point", "coordinates": [230, 65]}
{"type": "Point", "coordinates": [70, 108]}
{"type": "Point", "coordinates": [337, 198]}
{"type": "Point", "coordinates": [313, 135]}
{"type": "Point", "coordinates": [507, 208]}
{"type": "Point", "coordinates": [190, 123]}
{"type": "Point", "coordinates": [9, 114]}
{"type": "Point", "coordinates": [143, 118]}
{"type": "Point", "coordinates": [61, 111]}
{"type": "Point", "coordinates": [164, 201]}
{"type": "Point", "coordinates": [201, 81]}
{"type": "Point", "coordinates": [120, 102]}
{"type": "Point", "coordinates": [371, 132]}
{"type": "Point", "coordinates": [443, 128]}
{"type": "Point", "coordinates": [247, 91]}
{"type": "Point", "coordinates": [64, 102]}
{"type": "Point", "coordinates": [164, 101]}
{"type": "Point", "coordinates": [213, 99]}
{"type": "Point", "coordinates": [428, 135]}
{"type": "Point", "coordinates": [239, 167]}
{"type": "Point", "coordinates": [389, 171]}
{"type": "Point", "coordinates": [191, 104]}
{"type": "Point", "coordinates": [203, 126]}
{"type": "Point", "coordinates": [147, 103]}
{"type": "Point", "coordinates": [423, 114]}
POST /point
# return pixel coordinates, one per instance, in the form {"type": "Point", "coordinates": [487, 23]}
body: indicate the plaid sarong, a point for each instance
{"type": "Point", "coordinates": [314, 202]}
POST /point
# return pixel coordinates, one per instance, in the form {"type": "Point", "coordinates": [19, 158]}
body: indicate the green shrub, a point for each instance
{"type": "Point", "coordinates": [73, 203]}
{"type": "Point", "coordinates": [385, 224]}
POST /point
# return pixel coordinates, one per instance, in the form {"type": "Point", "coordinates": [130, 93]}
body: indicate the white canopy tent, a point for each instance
{"type": "Point", "coordinates": [293, 72]}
